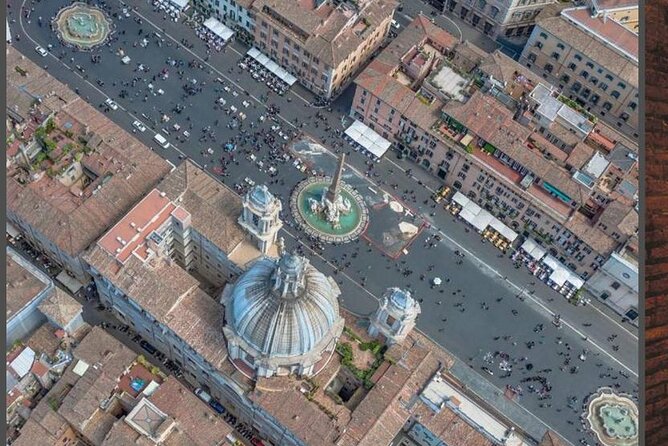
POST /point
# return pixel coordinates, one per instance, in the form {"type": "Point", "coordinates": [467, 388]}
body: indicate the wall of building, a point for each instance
{"type": "Point", "coordinates": [612, 292]}
{"type": "Point", "coordinates": [595, 87]}
{"type": "Point", "coordinates": [229, 12]}
{"type": "Point", "coordinates": [43, 244]}
{"type": "Point", "coordinates": [511, 19]}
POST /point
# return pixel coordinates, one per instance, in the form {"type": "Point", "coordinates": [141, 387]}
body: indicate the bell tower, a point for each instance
{"type": "Point", "coordinates": [260, 216]}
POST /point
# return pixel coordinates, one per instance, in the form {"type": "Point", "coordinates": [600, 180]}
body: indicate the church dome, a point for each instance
{"type": "Point", "coordinates": [284, 308]}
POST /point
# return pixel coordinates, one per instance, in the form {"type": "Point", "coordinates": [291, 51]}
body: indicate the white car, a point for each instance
{"type": "Point", "coordinates": [139, 126]}
{"type": "Point", "coordinates": [395, 24]}
{"type": "Point", "coordinates": [111, 104]}
{"type": "Point", "coordinates": [246, 104]}
{"type": "Point", "coordinates": [41, 51]}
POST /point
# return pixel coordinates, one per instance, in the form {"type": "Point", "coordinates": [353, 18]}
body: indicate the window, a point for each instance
{"type": "Point", "coordinates": [608, 77]}
{"type": "Point", "coordinates": [532, 57]}
{"type": "Point", "coordinates": [615, 94]}
{"type": "Point", "coordinates": [556, 56]}
{"type": "Point", "coordinates": [577, 57]}
{"type": "Point", "coordinates": [590, 65]}
{"type": "Point", "coordinates": [632, 105]}
{"type": "Point", "coordinates": [561, 46]}
{"type": "Point", "coordinates": [572, 66]}
{"type": "Point", "coordinates": [615, 285]}
{"type": "Point", "coordinates": [594, 99]}
{"type": "Point", "coordinates": [593, 80]}
{"type": "Point", "coordinates": [565, 78]}
{"type": "Point", "coordinates": [576, 87]}
{"type": "Point", "coordinates": [607, 106]}
{"type": "Point", "coordinates": [603, 86]}
{"type": "Point", "coordinates": [539, 45]}
{"type": "Point", "coordinates": [622, 85]}
{"type": "Point", "coordinates": [584, 74]}
{"type": "Point", "coordinates": [543, 36]}
{"type": "Point", "coordinates": [482, 4]}
{"type": "Point", "coordinates": [585, 93]}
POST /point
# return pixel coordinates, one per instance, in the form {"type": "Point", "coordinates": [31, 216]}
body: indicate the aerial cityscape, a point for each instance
{"type": "Point", "coordinates": [322, 222]}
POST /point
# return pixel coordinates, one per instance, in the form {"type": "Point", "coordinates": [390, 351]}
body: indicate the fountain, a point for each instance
{"type": "Point", "coordinates": [613, 418]}
{"type": "Point", "coordinates": [82, 26]}
{"type": "Point", "coordinates": [328, 209]}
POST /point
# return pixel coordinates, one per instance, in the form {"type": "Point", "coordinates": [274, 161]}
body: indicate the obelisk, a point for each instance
{"type": "Point", "coordinates": [334, 188]}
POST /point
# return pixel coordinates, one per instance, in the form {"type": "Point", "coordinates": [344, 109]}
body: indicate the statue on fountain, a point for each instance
{"type": "Point", "coordinates": [332, 204]}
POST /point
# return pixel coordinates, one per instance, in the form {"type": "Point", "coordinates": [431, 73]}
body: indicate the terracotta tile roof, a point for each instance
{"type": "Point", "coordinates": [32, 433]}
{"type": "Point", "coordinates": [130, 169]}
{"type": "Point", "coordinates": [39, 369]}
{"type": "Point", "coordinates": [611, 31]}
{"type": "Point", "coordinates": [621, 216]}
{"type": "Point", "coordinates": [594, 237]}
{"type": "Point", "coordinates": [505, 69]}
{"type": "Point", "coordinates": [44, 340]}
{"type": "Point", "coordinates": [377, 76]}
{"type": "Point", "coordinates": [580, 155]}
{"type": "Point", "coordinates": [214, 207]}
{"type": "Point", "coordinates": [145, 282]}
{"type": "Point", "coordinates": [487, 118]}
{"type": "Point", "coordinates": [131, 230]}
{"type": "Point", "coordinates": [198, 319]}
{"type": "Point", "coordinates": [193, 416]}
{"type": "Point", "coordinates": [585, 43]}
{"type": "Point", "coordinates": [60, 307]}
{"type": "Point", "coordinates": [449, 427]}
{"type": "Point", "coordinates": [21, 286]}
{"type": "Point", "coordinates": [326, 31]}
{"type": "Point", "coordinates": [122, 433]}
{"type": "Point", "coordinates": [552, 439]}
{"type": "Point", "coordinates": [100, 347]}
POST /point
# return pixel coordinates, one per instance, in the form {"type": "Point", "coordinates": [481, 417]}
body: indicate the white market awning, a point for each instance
{"type": "Point", "coordinates": [482, 220]}
{"type": "Point", "coordinates": [70, 283]}
{"type": "Point", "coordinates": [460, 199]}
{"type": "Point", "coordinates": [370, 141]}
{"type": "Point", "coordinates": [551, 262]}
{"type": "Point", "coordinates": [272, 66]}
{"type": "Point", "coordinates": [218, 29]}
{"type": "Point", "coordinates": [560, 274]}
{"type": "Point", "coordinates": [533, 250]}
{"type": "Point", "coordinates": [504, 230]}
{"type": "Point", "coordinates": [180, 5]}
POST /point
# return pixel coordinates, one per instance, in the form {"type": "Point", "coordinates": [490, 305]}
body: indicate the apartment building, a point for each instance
{"type": "Point", "coordinates": [323, 44]}
{"type": "Point", "coordinates": [86, 173]}
{"type": "Point", "coordinates": [513, 20]}
{"type": "Point", "coordinates": [616, 284]}
{"type": "Point", "coordinates": [237, 14]}
{"type": "Point", "coordinates": [510, 143]}
{"type": "Point", "coordinates": [592, 58]}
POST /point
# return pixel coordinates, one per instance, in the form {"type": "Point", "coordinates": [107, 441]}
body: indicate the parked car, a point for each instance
{"type": "Point", "coordinates": [139, 126]}
{"type": "Point", "coordinates": [111, 104]}
{"type": "Point", "coordinates": [203, 395]}
{"type": "Point", "coordinates": [215, 405]}
{"type": "Point", "coordinates": [41, 51]}
{"type": "Point", "coordinates": [148, 347]}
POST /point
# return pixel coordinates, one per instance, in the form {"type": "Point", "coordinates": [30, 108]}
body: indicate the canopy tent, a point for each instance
{"type": "Point", "coordinates": [368, 139]}
{"type": "Point", "coordinates": [460, 199]}
{"type": "Point", "coordinates": [480, 218]}
{"type": "Point", "coordinates": [504, 230]}
{"type": "Point", "coordinates": [272, 66]}
{"type": "Point", "coordinates": [533, 250]}
{"type": "Point", "coordinates": [218, 29]}
{"type": "Point", "coordinates": [466, 140]}
{"type": "Point", "coordinates": [560, 274]}
{"type": "Point", "coordinates": [180, 5]}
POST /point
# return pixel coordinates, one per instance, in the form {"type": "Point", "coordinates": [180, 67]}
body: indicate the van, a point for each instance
{"type": "Point", "coordinates": [203, 395]}
{"type": "Point", "coordinates": [161, 140]}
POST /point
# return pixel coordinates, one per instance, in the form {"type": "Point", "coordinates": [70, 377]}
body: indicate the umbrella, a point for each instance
{"type": "Point", "coordinates": [437, 281]}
